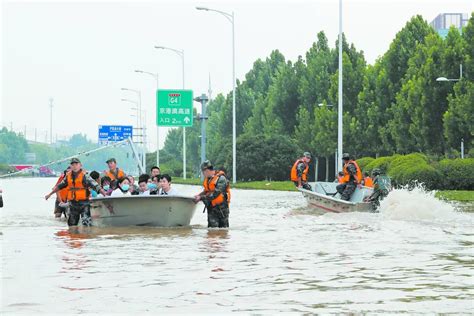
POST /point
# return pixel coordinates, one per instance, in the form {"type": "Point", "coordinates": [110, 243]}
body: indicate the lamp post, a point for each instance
{"type": "Point", "coordinates": [444, 79]}
{"type": "Point", "coordinates": [156, 77]}
{"type": "Point", "coordinates": [140, 126]}
{"type": "Point", "coordinates": [180, 53]}
{"type": "Point", "coordinates": [339, 114]}
{"type": "Point", "coordinates": [135, 108]}
{"type": "Point", "coordinates": [231, 18]}
{"type": "Point", "coordinates": [440, 79]}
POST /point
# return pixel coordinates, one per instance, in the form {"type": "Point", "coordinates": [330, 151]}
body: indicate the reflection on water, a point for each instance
{"type": "Point", "coordinates": [278, 256]}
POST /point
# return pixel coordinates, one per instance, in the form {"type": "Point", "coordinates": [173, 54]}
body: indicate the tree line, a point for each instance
{"type": "Point", "coordinates": [14, 149]}
{"type": "Point", "coordinates": [394, 106]}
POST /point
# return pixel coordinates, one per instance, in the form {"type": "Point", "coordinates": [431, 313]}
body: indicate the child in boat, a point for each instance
{"type": "Point", "coordinates": [143, 184]}
{"type": "Point", "coordinates": [133, 186]}
{"type": "Point", "coordinates": [166, 188]}
{"type": "Point", "coordinates": [96, 176]}
{"type": "Point", "coordinates": [106, 185]}
{"type": "Point", "coordinates": [123, 187]}
{"type": "Point", "coordinates": [154, 185]}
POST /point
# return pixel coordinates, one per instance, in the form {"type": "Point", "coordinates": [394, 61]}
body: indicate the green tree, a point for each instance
{"type": "Point", "coordinates": [13, 147]}
{"type": "Point", "coordinates": [459, 118]}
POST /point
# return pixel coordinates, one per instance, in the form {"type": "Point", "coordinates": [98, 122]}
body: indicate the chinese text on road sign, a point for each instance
{"type": "Point", "coordinates": [174, 108]}
{"type": "Point", "coordinates": [114, 133]}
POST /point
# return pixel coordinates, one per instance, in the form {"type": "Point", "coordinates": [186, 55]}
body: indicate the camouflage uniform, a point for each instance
{"type": "Point", "coordinates": [299, 171]}
{"type": "Point", "coordinates": [80, 209]}
{"type": "Point", "coordinates": [217, 216]}
{"type": "Point", "coordinates": [382, 185]}
{"type": "Point", "coordinates": [346, 189]}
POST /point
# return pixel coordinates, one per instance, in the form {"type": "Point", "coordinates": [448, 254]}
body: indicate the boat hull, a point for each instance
{"type": "Point", "coordinates": [322, 198]}
{"type": "Point", "coordinates": [153, 210]}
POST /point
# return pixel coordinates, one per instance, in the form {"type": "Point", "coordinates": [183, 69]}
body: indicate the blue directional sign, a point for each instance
{"type": "Point", "coordinates": [114, 133]}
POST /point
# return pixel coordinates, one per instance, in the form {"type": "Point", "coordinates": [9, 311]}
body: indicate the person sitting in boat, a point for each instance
{"type": "Point", "coordinates": [96, 176]}
{"type": "Point", "coordinates": [215, 196]}
{"type": "Point", "coordinates": [367, 181]}
{"type": "Point", "coordinates": [78, 183]}
{"type": "Point", "coordinates": [114, 173]}
{"type": "Point", "coordinates": [352, 177]}
{"type": "Point", "coordinates": [339, 177]}
{"type": "Point", "coordinates": [155, 171]}
{"type": "Point", "coordinates": [133, 186]}
{"type": "Point", "coordinates": [382, 186]}
{"type": "Point", "coordinates": [299, 172]}
{"type": "Point", "coordinates": [154, 185]}
{"type": "Point", "coordinates": [123, 187]}
{"type": "Point", "coordinates": [143, 184]}
{"type": "Point", "coordinates": [166, 188]}
{"type": "Point", "coordinates": [107, 185]}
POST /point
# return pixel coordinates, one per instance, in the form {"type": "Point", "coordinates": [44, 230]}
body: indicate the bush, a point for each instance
{"type": "Point", "coordinates": [363, 162]}
{"type": "Point", "coordinates": [414, 168]}
{"type": "Point", "coordinates": [457, 174]}
{"type": "Point", "coordinates": [382, 163]}
{"type": "Point", "coordinates": [416, 173]}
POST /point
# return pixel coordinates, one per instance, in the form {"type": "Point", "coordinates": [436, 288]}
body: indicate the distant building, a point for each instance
{"type": "Point", "coordinates": [444, 21]}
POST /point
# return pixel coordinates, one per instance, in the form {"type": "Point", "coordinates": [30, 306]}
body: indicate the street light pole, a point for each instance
{"type": "Point", "coordinates": [231, 18]}
{"type": "Point", "coordinates": [140, 125]}
{"type": "Point", "coordinates": [180, 53]}
{"type": "Point", "coordinates": [339, 114]}
{"type": "Point", "coordinates": [156, 77]}
{"type": "Point", "coordinates": [135, 108]}
{"type": "Point", "coordinates": [446, 79]}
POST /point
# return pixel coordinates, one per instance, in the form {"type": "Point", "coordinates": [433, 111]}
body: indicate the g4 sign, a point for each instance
{"type": "Point", "coordinates": [174, 108]}
{"type": "Point", "coordinates": [174, 99]}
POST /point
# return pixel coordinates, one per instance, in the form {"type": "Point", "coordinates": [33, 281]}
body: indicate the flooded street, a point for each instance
{"type": "Point", "coordinates": [416, 256]}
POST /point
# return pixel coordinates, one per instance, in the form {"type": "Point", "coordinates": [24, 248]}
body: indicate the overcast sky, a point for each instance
{"type": "Point", "coordinates": [82, 52]}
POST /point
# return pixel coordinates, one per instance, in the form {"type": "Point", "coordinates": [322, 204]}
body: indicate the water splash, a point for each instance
{"type": "Point", "coordinates": [416, 204]}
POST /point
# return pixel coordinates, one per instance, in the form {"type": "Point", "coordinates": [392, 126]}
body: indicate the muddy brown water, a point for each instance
{"type": "Point", "coordinates": [416, 256]}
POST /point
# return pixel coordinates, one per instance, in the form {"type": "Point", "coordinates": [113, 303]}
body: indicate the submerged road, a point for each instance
{"type": "Point", "coordinates": [415, 256]}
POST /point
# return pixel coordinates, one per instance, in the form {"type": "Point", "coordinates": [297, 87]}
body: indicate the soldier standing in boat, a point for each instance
{"type": "Point", "coordinates": [78, 183]}
{"type": "Point", "coordinates": [352, 178]}
{"type": "Point", "coordinates": [114, 173]}
{"type": "Point", "coordinates": [215, 196]}
{"type": "Point", "coordinates": [299, 172]}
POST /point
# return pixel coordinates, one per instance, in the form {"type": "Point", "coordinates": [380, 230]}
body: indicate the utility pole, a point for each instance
{"type": "Point", "coordinates": [50, 120]}
{"type": "Point", "coordinates": [203, 100]}
{"type": "Point", "coordinates": [339, 108]}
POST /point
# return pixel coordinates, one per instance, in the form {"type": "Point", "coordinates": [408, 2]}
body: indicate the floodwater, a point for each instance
{"type": "Point", "coordinates": [416, 256]}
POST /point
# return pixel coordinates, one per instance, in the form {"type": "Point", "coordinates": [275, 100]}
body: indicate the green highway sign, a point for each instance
{"type": "Point", "coordinates": [174, 108]}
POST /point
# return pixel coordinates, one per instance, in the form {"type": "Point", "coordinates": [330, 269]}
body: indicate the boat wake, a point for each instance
{"type": "Point", "coordinates": [416, 204]}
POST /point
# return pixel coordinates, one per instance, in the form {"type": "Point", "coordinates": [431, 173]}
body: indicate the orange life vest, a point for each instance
{"type": "Point", "coordinates": [76, 189]}
{"type": "Point", "coordinates": [111, 175]}
{"type": "Point", "coordinates": [294, 172]}
{"type": "Point", "coordinates": [340, 179]}
{"type": "Point", "coordinates": [62, 194]}
{"type": "Point", "coordinates": [368, 182]}
{"type": "Point", "coordinates": [347, 176]}
{"type": "Point", "coordinates": [209, 185]}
